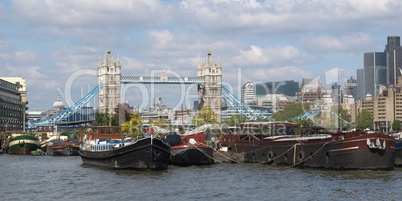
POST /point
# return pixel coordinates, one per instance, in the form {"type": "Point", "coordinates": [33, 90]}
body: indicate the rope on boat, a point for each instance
{"type": "Point", "coordinates": [270, 160]}
{"type": "Point", "coordinates": [205, 153]}
{"type": "Point", "coordinates": [309, 156]}
{"type": "Point", "coordinates": [231, 159]}
{"type": "Point", "coordinates": [216, 161]}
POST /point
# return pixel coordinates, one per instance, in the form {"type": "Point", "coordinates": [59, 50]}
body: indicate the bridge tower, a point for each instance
{"type": "Point", "coordinates": [210, 93]}
{"type": "Point", "coordinates": [109, 73]}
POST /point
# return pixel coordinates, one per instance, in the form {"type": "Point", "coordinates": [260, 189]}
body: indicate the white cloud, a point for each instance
{"type": "Point", "coordinates": [270, 57]}
{"type": "Point", "coordinates": [161, 38]}
{"type": "Point", "coordinates": [288, 17]}
{"type": "Point", "coordinates": [27, 57]}
{"type": "Point", "coordinates": [269, 40]}
{"type": "Point", "coordinates": [130, 66]}
{"type": "Point", "coordinates": [278, 74]}
{"type": "Point", "coordinates": [319, 43]}
{"type": "Point", "coordinates": [76, 13]}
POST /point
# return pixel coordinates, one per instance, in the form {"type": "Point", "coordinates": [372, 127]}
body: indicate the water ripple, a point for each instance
{"type": "Point", "coordinates": [65, 178]}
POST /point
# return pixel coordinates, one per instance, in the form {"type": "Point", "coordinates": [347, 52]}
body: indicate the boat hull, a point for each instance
{"type": "Point", "coordinates": [187, 155]}
{"type": "Point", "coordinates": [398, 153]}
{"type": "Point", "coordinates": [23, 144]}
{"type": "Point", "coordinates": [353, 153]}
{"type": "Point", "coordinates": [62, 148]}
{"type": "Point", "coordinates": [147, 153]}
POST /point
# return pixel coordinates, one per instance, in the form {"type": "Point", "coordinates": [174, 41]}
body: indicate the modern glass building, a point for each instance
{"type": "Point", "coordinates": [287, 87]}
{"type": "Point", "coordinates": [375, 72]}
{"type": "Point", "coordinates": [361, 90]}
{"type": "Point", "coordinates": [393, 54]}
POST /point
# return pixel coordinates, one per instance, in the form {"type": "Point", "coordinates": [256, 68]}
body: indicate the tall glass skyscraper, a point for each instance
{"type": "Point", "coordinates": [287, 87]}
{"type": "Point", "coordinates": [375, 72]}
{"type": "Point", "coordinates": [393, 51]}
{"type": "Point", "coordinates": [361, 90]}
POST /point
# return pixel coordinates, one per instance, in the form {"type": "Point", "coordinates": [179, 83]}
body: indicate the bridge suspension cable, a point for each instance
{"type": "Point", "coordinates": [68, 111]}
{"type": "Point", "coordinates": [340, 118]}
{"type": "Point", "coordinates": [308, 114]}
{"type": "Point", "coordinates": [240, 106]}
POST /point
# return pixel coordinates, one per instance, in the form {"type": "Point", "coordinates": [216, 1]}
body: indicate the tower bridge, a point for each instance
{"type": "Point", "coordinates": [209, 81]}
{"type": "Point", "coordinates": [161, 80]}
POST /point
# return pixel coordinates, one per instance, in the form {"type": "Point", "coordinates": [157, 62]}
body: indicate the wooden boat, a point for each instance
{"type": "Point", "coordinates": [22, 144]}
{"type": "Point", "coordinates": [106, 150]}
{"type": "Point", "coordinates": [189, 149]}
{"type": "Point", "coordinates": [280, 143]}
{"type": "Point", "coordinates": [62, 147]}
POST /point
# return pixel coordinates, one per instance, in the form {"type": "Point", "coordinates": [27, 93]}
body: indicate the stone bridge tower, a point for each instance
{"type": "Point", "coordinates": [109, 73]}
{"type": "Point", "coordinates": [210, 93]}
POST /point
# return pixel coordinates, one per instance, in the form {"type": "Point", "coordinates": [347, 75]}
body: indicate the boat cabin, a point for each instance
{"type": "Point", "coordinates": [105, 132]}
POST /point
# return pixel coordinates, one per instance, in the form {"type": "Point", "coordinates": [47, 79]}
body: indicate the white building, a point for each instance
{"type": "Point", "coordinates": [248, 93]}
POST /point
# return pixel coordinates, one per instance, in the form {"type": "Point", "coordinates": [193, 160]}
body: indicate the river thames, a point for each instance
{"type": "Point", "coordinates": [32, 178]}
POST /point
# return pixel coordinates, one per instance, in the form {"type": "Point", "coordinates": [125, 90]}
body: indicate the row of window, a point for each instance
{"type": "Point", "coordinates": [12, 114]}
{"type": "Point", "coordinates": [7, 99]}
{"type": "Point", "coordinates": [8, 85]}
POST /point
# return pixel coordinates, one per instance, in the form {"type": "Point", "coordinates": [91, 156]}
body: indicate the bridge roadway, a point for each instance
{"type": "Point", "coordinates": [161, 79]}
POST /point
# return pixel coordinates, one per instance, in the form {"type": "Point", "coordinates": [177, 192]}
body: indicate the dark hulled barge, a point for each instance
{"type": "Point", "coordinates": [287, 144]}
{"type": "Point", "coordinates": [60, 147]}
{"type": "Point", "coordinates": [146, 153]}
{"type": "Point", "coordinates": [189, 149]}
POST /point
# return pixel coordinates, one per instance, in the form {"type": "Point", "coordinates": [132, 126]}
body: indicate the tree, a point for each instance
{"type": "Point", "coordinates": [396, 125]}
{"type": "Point", "coordinates": [235, 119]}
{"type": "Point", "coordinates": [291, 111]}
{"type": "Point", "coordinates": [342, 115]}
{"type": "Point", "coordinates": [133, 126]}
{"type": "Point", "coordinates": [159, 122]}
{"type": "Point", "coordinates": [305, 122]}
{"type": "Point", "coordinates": [102, 119]}
{"type": "Point", "coordinates": [364, 120]}
{"type": "Point", "coordinates": [206, 116]}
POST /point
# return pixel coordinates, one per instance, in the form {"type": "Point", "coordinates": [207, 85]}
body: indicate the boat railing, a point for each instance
{"type": "Point", "coordinates": [96, 147]}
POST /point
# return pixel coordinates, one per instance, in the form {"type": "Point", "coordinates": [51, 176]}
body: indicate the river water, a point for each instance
{"type": "Point", "coordinates": [24, 177]}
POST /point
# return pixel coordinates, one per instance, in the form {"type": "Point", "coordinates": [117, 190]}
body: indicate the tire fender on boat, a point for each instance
{"type": "Point", "coordinates": [300, 156]}
{"type": "Point", "coordinates": [271, 155]}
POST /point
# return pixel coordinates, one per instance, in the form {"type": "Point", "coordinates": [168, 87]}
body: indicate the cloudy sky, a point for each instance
{"type": "Point", "coordinates": [48, 41]}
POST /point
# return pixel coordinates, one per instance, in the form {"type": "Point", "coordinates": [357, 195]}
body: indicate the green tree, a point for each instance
{"type": "Point", "coordinates": [133, 126]}
{"type": "Point", "coordinates": [396, 125]}
{"type": "Point", "coordinates": [364, 120]}
{"type": "Point", "coordinates": [159, 122]}
{"type": "Point", "coordinates": [342, 115]}
{"type": "Point", "coordinates": [305, 122]}
{"type": "Point", "coordinates": [205, 116]}
{"type": "Point", "coordinates": [102, 119]}
{"type": "Point", "coordinates": [235, 119]}
{"type": "Point", "coordinates": [181, 129]}
{"type": "Point", "coordinates": [291, 111]}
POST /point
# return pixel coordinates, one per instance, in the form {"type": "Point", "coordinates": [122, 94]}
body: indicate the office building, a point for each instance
{"type": "Point", "coordinates": [12, 108]}
{"type": "Point", "coordinates": [393, 54]}
{"type": "Point", "coordinates": [375, 73]}
{"type": "Point", "coordinates": [287, 87]}
{"type": "Point", "coordinates": [248, 93]}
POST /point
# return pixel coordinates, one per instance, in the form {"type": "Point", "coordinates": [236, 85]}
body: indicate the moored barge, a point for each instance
{"type": "Point", "coordinates": [189, 149]}
{"type": "Point", "coordinates": [146, 153]}
{"type": "Point", "coordinates": [287, 144]}
{"type": "Point", "coordinates": [22, 144]}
